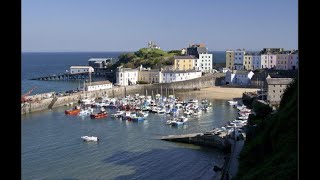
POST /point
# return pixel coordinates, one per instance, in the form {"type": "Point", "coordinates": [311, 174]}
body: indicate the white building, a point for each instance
{"type": "Point", "coordinates": [239, 77]}
{"type": "Point", "coordinates": [94, 86]}
{"type": "Point", "coordinates": [179, 75]}
{"type": "Point", "coordinates": [126, 76]}
{"type": "Point", "coordinates": [256, 61]}
{"type": "Point", "coordinates": [81, 69]}
{"type": "Point", "coordinates": [204, 62]}
{"type": "Point", "coordinates": [238, 59]}
{"type": "Point", "coordinates": [230, 77]}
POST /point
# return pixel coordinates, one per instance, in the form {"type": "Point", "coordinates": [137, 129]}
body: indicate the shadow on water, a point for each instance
{"type": "Point", "coordinates": [168, 163]}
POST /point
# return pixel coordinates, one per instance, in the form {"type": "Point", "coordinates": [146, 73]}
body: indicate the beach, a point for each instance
{"type": "Point", "coordinates": [222, 93]}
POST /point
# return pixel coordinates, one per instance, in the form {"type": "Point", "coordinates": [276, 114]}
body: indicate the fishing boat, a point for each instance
{"type": "Point", "coordinates": [99, 115]}
{"type": "Point", "coordinates": [73, 111]}
{"type": "Point", "coordinates": [117, 114]}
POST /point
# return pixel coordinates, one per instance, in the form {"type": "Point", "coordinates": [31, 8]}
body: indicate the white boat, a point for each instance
{"type": "Point", "coordinates": [84, 112]}
{"type": "Point", "coordinates": [117, 114]}
{"type": "Point", "coordinates": [233, 102]}
{"type": "Point", "coordinates": [90, 138]}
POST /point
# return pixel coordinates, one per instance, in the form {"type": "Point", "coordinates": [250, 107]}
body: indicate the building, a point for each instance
{"type": "Point", "coordinates": [238, 59]}
{"type": "Point", "coordinates": [243, 77]}
{"type": "Point", "coordinates": [272, 50]}
{"type": "Point", "coordinates": [126, 76]}
{"type": "Point", "coordinates": [179, 75]}
{"type": "Point", "coordinates": [276, 88]}
{"type": "Point", "coordinates": [99, 62]}
{"type": "Point", "coordinates": [283, 60]}
{"type": "Point", "coordinates": [183, 51]}
{"type": "Point", "coordinates": [196, 49]}
{"type": "Point", "coordinates": [229, 78]}
{"type": "Point", "coordinates": [94, 86]}
{"type": "Point", "coordinates": [229, 59]}
{"type": "Point", "coordinates": [239, 77]}
{"type": "Point", "coordinates": [184, 62]}
{"type": "Point", "coordinates": [256, 61]}
{"type": "Point", "coordinates": [81, 69]}
{"type": "Point", "coordinates": [152, 45]}
{"type": "Point", "coordinates": [149, 75]}
{"type": "Point", "coordinates": [247, 61]}
{"type": "Point", "coordinates": [204, 63]}
{"type": "Point", "coordinates": [294, 60]}
{"type": "Point", "coordinates": [203, 60]}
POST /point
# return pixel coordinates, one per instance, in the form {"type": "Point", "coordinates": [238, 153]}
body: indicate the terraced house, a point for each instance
{"type": "Point", "coordinates": [184, 62]}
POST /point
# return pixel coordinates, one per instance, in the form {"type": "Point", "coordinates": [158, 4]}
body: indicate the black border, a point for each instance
{"type": "Point", "coordinates": [11, 89]}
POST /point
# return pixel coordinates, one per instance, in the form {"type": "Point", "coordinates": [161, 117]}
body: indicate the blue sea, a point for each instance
{"type": "Point", "coordinates": [51, 147]}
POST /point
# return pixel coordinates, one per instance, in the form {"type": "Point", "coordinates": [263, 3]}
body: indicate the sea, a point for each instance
{"type": "Point", "coordinates": [51, 147]}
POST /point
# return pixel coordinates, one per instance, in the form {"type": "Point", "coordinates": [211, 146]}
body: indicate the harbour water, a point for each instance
{"type": "Point", "coordinates": [52, 147]}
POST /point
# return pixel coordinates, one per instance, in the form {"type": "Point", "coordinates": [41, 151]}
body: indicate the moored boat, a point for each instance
{"type": "Point", "coordinates": [73, 111]}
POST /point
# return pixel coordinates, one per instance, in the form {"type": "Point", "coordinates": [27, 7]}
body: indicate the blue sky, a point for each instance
{"type": "Point", "coordinates": [127, 25]}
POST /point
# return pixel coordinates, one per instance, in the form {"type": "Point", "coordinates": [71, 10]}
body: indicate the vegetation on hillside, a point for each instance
{"type": "Point", "coordinates": [147, 57]}
{"type": "Point", "coordinates": [271, 147]}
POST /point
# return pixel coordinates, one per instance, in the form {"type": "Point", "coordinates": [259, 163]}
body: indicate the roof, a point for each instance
{"type": "Point", "coordinates": [99, 59]}
{"type": "Point", "coordinates": [184, 57]}
{"type": "Point", "coordinates": [99, 83]}
{"type": "Point", "coordinates": [81, 67]}
{"type": "Point", "coordinates": [275, 81]}
{"type": "Point", "coordinates": [128, 69]}
{"type": "Point", "coordinates": [180, 71]}
{"type": "Point", "coordinates": [151, 70]}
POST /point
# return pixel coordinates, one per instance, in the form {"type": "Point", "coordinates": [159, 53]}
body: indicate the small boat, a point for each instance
{"type": "Point", "coordinates": [90, 138]}
{"type": "Point", "coordinates": [99, 115]}
{"type": "Point", "coordinates": [84, 112]}
{"type": "Point", "coordinates": [73, 111]}
{"type": "Point", "coordinates": [117, 114]}
{"type": "Point", "coordinates": [231, 103]}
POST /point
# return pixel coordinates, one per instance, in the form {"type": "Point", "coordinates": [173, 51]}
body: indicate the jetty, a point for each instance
{"type": "Point", "coordinates": [212, 139]}
{"type": "Point", "coordinates": [78, 76]}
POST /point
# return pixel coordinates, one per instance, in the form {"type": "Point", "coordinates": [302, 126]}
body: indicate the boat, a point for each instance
{"type": "Point", "coordinates": [73, 111]}
{"type": "Point", "coordinates": [99, 115]}
{"type": "Point", "coordinates": [137, 118]}
{"type": "Point", "coordinates": [231, 103]}
{"type": "Point", "coordinates": [90, 138]}
{"type": "Point", "coordinates": [84, 112]}
{"type": "Point", "coordinates": [117, 114]}
{"type": "Point", "coordinates": [179, 121]}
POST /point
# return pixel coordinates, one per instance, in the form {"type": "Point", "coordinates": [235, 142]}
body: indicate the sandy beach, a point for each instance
{"type": "Point", "coordinates": [219, 93]}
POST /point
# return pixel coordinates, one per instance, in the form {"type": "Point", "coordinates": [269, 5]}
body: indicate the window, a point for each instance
{"type": "Point", "coordinates": [274, 85]}
{"type": "Point", "coordinates": [280, 85]}
{"type": "Point", "coordinates": [78, 70]}
{"type": "Point", "coordinates": [274, 91]}
{"type": "Point", "coordinates": [280, 91]}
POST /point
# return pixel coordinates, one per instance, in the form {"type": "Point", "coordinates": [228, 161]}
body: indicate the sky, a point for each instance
{"type": "Point", "coordinates": [128, 25]}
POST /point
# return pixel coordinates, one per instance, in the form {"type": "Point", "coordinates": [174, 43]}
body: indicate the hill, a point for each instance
{"type": "Point", "coordinates": [147, 57]}
{"type": "Point", "coordinates": [270, 151]}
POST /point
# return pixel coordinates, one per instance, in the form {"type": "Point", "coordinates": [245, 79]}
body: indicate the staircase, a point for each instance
{"type": "Point", "coordinates": [52, 102]}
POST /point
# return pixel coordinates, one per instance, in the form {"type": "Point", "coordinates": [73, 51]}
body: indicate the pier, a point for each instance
{"type": "Point", "coordinates": [78, 76]}
{"type": "Point", "coordinates": [220, 141]}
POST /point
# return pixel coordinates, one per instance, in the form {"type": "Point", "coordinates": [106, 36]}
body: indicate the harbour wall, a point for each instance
{"type": "Point", "coordinates": [217, 141]}
{"type": "Point", "coordinates": [119, 91]}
